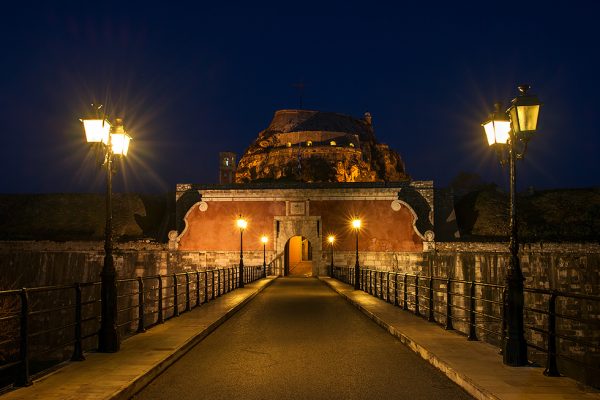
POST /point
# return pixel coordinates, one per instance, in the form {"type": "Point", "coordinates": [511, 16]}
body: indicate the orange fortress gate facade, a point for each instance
{"type": "Point", "coordinates": [297, 219]}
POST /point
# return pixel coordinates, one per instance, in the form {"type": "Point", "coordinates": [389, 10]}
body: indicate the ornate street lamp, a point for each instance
{"type": "Point", "coordinates": [241, 224]}
{"type": "Point", "coordinates": [356, 227]}
{"type": "Point", "coordinates": [264, 239]}
{"type": "Point", "coordinates": [510, 133]}
{"type": "Point", "coordinates": [331, 240]}
{"type": "Point", "coordinates": [112, 141]}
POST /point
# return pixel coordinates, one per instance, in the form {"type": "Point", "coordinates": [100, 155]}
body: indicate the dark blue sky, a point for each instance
{"type": "Point", "coordinates": [191, 80]}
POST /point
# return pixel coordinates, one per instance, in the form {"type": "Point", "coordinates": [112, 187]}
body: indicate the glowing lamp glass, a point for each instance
{"type": "Point", "coordinates": [242, 223]}
{"type": "Point", "coordinates": [331, 239]}
{"type": "Point", "coordinates": [525, 117]}
{"type": "Point", "coordinates": [497, 131]}
{"type": "Point", "coordinates": [96, 130]}
{"type": "Point", "coordinates": [264, 239]}
{"type": "Point", "coordinates": [120, 143]}
{"type": "Point", "coordinates": [356, 223]}
{"type": "Point", "coordinates": [524, 112]}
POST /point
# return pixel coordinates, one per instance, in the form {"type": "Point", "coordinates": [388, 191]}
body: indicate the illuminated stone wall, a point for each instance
{"type": "Point", "coordinates": [395, 218]}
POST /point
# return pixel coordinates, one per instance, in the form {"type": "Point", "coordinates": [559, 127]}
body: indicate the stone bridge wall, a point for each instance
{"type": "Point", "coordinates": [565, 267]}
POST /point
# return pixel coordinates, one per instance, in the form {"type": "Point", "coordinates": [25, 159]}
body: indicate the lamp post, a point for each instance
{"type": "Point", "coordinates": [111, 141]}
{"type": "Point", "coordinates": [356, 226]}
{"type": "Point", "coordinates": [264, 239]}
{"type": "Point", "coordinates": [509, 133]}
{"type": "Point", "coordinates": [331, 240]}
{"type": "Point", "coordinates": [241, 224]}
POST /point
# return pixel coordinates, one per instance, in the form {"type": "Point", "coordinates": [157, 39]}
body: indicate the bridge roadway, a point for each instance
{"type": "Point", "coordinates": [298, 339]}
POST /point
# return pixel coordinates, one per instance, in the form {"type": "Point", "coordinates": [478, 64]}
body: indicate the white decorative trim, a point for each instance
{"type": "Point", "coordinates": [203, 206]}
{"type": "Point", "coordinates": [185, 220]}
{"type": "Point", "coordinates": [415, 218]}
{"type": "Point", "coordinates": [396, 205]}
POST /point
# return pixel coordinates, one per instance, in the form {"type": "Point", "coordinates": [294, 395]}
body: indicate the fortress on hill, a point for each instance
{"type": "Point", "coordinates": [315, 146]}
{"type": "Point", "coordinates": [302, 179]}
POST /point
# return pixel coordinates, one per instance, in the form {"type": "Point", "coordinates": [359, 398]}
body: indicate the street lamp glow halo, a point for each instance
{"type": "Point", "coordinates": [96, 130]}
{"type": "Point", "coordinates": [120, 143]}
{"type": "Point", "coordinates": [242, 223]}
{"type": "Point", "coordinates": [356, 223]}
{"type": "Point", "coordinates": [264, 239]}
{"type": "Point", "coordinates": [497, 127]}
{"type": "Point", "coordinates": [331, 239]}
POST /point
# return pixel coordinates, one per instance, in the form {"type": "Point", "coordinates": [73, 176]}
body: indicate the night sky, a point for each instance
{"type": "Point", "coordinates": [191, 80]}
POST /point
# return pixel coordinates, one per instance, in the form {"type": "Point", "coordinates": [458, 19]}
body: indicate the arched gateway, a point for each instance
{"type": "Point", "coordinates": [298, 257]}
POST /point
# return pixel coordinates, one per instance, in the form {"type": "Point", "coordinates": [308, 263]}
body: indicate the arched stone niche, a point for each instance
{"type": "Point", "coordinates": [308, 227]}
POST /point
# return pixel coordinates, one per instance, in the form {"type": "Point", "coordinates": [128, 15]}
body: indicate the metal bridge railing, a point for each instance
{"type": "Point", "coordinates": [566, 329]}
{"type": "Point", "coordinates": [44, 326]}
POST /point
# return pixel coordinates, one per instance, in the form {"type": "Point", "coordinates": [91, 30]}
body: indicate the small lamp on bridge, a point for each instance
{"type": "Point", "coordinates": [331, 240]}
{"type": "Point", "coordinates": [241, 224]}
{"type": "Point", "coordinates": [356, 226]}
{"type": "Point", "coordinates": [264, 239]}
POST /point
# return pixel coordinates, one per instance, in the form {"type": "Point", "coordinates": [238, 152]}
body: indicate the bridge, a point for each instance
{"type": "Point", "coordinates": [281, 337]}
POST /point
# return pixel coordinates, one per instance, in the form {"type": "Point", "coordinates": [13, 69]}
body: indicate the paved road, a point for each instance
{"type": "Point", "coordinates": [300, 340]}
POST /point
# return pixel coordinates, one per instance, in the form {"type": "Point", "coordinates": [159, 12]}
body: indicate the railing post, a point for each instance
{"type": "Point", "coordinates": [214, 288]}
{"type": "Point", "coordinates": [449, 326]}
{"type": "Point", "coordinates": [405, 289]}
{"type": "Point", "coordinates": [381, 285]}
{"type": "Point", "coordinates": [431, 317]}
{"type": "Point", "coordinates": [188, 306]}
{"type": "Point", "coordinates": [551, 366]}
{"type": "Point", "coordinates": [370, 282]}
{"type": "Point", "coordinates": [375, 283]}
{"type": "Point", "coordinates": [472, 332]}
{"type": "Point", "coordinates": [417, 312]}
{"type": "Point", "coordinates": [78, 347]}
{"type": "Point", "coordinates": [141, 310]}
{"type": "Point", "coordinates": [395, 288]}
{"type": "Point", "coordinates": [218, 282]}
{"type": "Point", "coordinates": [159, 315]}
{"type": "Point", "coordinates": [205, 286]}
{"type": "Point", "coordinates": [362, 279]}
{"type": "Point", "coordinates": [197, 288]}
{"type": "Point", "coordinates": [23, 379]}
{"type": "Point", "coordinates": [175, 297]}
{"type": "Point", "coordinates": [504, 326]}
{"type": "Point", "coordinates": [387, 288]}
{"type": "Point", "coordinates": [225, 280]}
